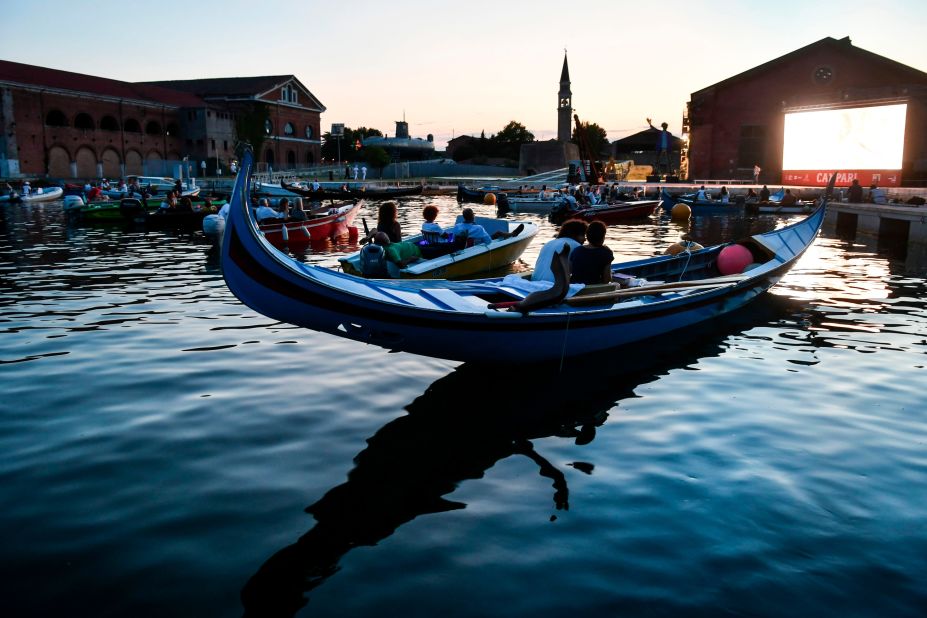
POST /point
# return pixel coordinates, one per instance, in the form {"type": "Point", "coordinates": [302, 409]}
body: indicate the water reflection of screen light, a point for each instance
{"type": "Point", "coordinates": [859, 138]}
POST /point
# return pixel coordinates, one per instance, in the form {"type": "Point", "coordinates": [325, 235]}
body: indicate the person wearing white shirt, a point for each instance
{"type": "Point", "coordinates": [572, 234]}
{"type": "Point", "coordinates": [264, 211]}
{"type": "Point", "coordinates": [472, 231]}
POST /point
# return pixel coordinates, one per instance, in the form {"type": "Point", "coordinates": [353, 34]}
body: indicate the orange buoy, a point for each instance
{"type": "Point", "coordinates": [681, 246]}
{"type": "Point", "coordinates": [489, 199]}
{"type": "Point", "coordinates": [681, 211]}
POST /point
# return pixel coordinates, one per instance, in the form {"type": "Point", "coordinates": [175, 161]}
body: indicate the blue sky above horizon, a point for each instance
{"type": "Point", "coordinates": [457, 68]}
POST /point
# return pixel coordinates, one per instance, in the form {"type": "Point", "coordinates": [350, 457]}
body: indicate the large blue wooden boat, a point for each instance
{"type": "Point", "coordinates": [471, 320]}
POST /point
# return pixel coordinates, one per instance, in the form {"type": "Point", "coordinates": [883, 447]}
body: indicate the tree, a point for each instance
{"type": "Point", "coordinates": [596, 137]}
{"type": "Point", "coordinates": [514, 132]}
{"type": "Point", "coordinates": [507, 142]}
{"type": "Point", "coordinates": [376, 158]}
{"type": "Point", "coordinates": [330, 145]}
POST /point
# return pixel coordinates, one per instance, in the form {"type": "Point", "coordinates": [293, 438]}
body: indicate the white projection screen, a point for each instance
{"type": "Point", "coordinates": [857, 138]}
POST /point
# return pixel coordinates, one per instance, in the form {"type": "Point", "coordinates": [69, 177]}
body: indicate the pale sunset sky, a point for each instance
{"type": "Point", "coordinates": [457, 68]}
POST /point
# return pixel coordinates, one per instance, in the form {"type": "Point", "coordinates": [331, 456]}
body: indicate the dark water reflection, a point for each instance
{"type": "Point", "coordinates": [161, 443]}
{"type": "Point", "coordinates": [445, 438]}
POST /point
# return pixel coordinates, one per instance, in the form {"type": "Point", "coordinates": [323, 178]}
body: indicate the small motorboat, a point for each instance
{"type": "Point", "coordinates": [322, 224]}
{"type": "Point", "coordinates": [614, 212]}
{"type": "Point", "coordinates": [459, 261]}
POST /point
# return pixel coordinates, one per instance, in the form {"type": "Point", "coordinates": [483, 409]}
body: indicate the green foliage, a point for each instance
{"type": "Point", "coordinates": [507, 142]}
{"type": "Point", "coordinates": [249, 125]}
{"type": "Point", "coordinates": [348, 153]}
{"type": "Point", "coordinates": [515, 133]}
{"type": "Point", "coordinates": [596, 137]}
{"type": "Point", "coordinates": [376, 157]}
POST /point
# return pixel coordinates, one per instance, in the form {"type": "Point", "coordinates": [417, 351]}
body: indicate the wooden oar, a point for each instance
{"type": "Point", "coordinates": [645, 290]}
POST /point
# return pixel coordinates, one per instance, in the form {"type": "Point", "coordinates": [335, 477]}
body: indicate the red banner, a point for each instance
{"type": "Point", "coordinates": [820, 178]}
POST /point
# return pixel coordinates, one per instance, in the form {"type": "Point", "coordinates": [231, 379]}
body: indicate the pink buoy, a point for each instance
{"type": "Point", "coordinates": [733, 259]}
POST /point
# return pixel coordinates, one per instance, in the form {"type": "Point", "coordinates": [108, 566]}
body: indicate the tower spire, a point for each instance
{"type": "Point", "coordinates": [565, 103]}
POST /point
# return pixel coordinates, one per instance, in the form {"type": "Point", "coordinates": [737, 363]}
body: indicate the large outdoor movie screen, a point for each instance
{"type": "Point", "coordinates": [858, 138]}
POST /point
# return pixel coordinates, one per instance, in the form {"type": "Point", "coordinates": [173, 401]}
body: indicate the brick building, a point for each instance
{"type": "Point", "coordinates": [739, 122]}
{"type": "Point", "coordinates": [67, 125]}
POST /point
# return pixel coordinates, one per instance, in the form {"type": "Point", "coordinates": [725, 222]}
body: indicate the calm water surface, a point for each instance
{"type": "Point", "coordinates": [168, 452]}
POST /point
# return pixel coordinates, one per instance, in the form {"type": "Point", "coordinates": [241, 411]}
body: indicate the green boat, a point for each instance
{"type": "Point", "coordinates": [132, 210]}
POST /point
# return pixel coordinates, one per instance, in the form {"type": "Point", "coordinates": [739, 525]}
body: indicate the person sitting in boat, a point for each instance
{"type": "Point", "coordinates": [788, 199]}
{"type": "Point", "coordinates": [388, 222]}
{"type": "Point", "coordinates": [431, 231]}
{"type": "Point", "coordinates": [185, 204]}
{"type": "Point", "coordinates": [724, 197]}
{"type": "Point", "coordinates": [104, 184]}
{"type": "Point", "coordinates": [572, 234]}
{"type": "Point", "coordinates": [764, 194]}
{"type": "Point", "coordinates": [95, 194]}
{"type": "Point", "coordinates": [542, 194]}
{"type": "Point", "coordinates": [592, 262]}
{"type": "Point", "coordinates": [315, 184]}
{"type": "Point", "coordinates": [265, 213]}
{"type": "Point", "coordinates": [702, 195]}
{"type": "Point", "coordinates": [296, 212]}
{"type": "Point", "coordinates": [27, 188]}
{"type": "Point", "coordinates": [170, 201]}
{"type": "Point", "coordinates": [283, 207]}
{"type": "Point", "coordinates": [400, 253]}
{"type": "Point", "coordinates": [471, 230]}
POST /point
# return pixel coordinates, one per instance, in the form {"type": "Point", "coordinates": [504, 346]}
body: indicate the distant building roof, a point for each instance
{"type": "Point", "coordinates": [42, 77]}
{"type": "Point", "coordinates": [238, 87]}
{"type": "Point", "coordinates": [643, 140]}
{"type": "Point", "coordinates": [844, 45]}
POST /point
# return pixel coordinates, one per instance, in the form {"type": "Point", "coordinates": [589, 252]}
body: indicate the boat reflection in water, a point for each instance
{"type": "Point", "coordinates": [412, 462]}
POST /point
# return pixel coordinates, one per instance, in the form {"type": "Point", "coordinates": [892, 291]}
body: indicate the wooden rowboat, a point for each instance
{"type": "Point", "coordinates": [615, 212]}
{"type": "Point", "coordinates": [330, 224]}
{"type": "Point", "coordinates": [471, 320]}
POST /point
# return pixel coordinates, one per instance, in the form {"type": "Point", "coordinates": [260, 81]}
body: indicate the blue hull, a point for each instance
{"type": "Point", "coordinates": [453, 320]}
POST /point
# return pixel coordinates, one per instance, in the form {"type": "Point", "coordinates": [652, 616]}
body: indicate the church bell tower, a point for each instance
{"type": "Point", "coordinates": [565, 104]}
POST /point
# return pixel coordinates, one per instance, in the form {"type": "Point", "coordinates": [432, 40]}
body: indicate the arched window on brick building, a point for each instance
{"type": "Point", "coordinates": [130, 125]}
{"type": "Point", "coordinates": [84, 121]}
{"type": "Point", "coordinates": [108, 123]}
{"type": "Point", "coordinates": [56, 118]}
{"type": "Point", "coordinates": [153, 127]}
